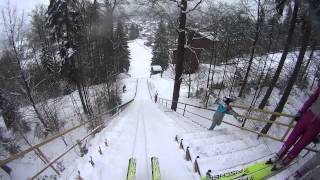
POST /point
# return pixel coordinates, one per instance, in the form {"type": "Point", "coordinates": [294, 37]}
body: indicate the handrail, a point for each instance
{"type": "Point", "coordinates": [69, 149]}
{"type": "Point", "coordinates": [241, 107]}
{"type": "Point", "coordinates": [188, 104]}
{"type": "Point", "coordinates": [264, 111]}
{"type": "Point", "coordinates": [267, 121]}
{"type": "Point", "coordinates": [242, 116]}
{"type": "Point", "coordinates": [243, 128]}
{"type": "Point", "coordinates": [21, 153]}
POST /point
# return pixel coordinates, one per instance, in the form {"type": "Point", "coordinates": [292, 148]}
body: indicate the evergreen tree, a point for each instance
{"type": "Point", "coordinates": [121, 51]}
{"type": "Point", "coordinates": [161, 48]}
{"type": "Point", "coordinates": [10, 114]}
{"type": "Point", "coordinates": [39, 40]}
{"type": "Point", "coordinates": [133, 32]}
{"type": "Point", "coordinates": [65, 23]}
{"type": "Point", "coordinates": [66, 27]}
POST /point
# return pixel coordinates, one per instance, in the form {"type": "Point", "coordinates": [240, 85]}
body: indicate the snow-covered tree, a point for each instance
{"type": "Point", "coordinates": [65, 21]}
{"type": "Point", "coordinates": [160, 49]}
{"type": "Point", "coordinates": [39, 41]}
{"type": "Point", "coordinates": [121, 51]}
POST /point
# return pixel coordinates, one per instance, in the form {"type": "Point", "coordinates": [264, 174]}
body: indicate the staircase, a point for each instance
{"type": "Point", "coordinates": [222, 150]}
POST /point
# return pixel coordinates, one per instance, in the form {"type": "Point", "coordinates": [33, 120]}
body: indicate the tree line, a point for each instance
{"type": "Point", "coordinates": [69, 46]}
{"type": "Point", "coordinates": [245, 35]}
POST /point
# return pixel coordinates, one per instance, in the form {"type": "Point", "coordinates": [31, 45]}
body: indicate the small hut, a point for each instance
{"type": "Point", "coordinates": [155, 69]}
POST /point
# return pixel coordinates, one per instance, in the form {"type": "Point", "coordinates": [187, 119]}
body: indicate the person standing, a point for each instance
{"type": "Point", "coordinates": [306, 129]}
{"type": "Point", "coordinates": [124, 87]}
{"type": "Point", "coordinates": [223, 108]}
{"type": "Point", "coordinates": [156, 97]}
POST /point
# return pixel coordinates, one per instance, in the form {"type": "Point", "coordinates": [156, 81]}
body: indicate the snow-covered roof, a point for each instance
{"type": "Point", "coordinates": [156, 68]}
{"type": "Point", "coordinates": [209, 36]}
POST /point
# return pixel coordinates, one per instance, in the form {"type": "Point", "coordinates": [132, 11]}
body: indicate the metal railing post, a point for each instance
{"type": "Point", "coordinates": [243, 123]}
{"type": "Point", "coordinates": [184, 109]}
{"type": "Point", "coordinates": [288, 130]}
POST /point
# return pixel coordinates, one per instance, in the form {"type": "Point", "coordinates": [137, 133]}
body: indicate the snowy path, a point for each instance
{"type": "Point", "coordinates": [141, 131]}
{"type": "Point", "coordinates": [155, 137]}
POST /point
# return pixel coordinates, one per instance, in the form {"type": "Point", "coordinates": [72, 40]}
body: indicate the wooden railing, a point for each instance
{"type": "Point", "coordinates": [167, 103]}
{"type": "Point", "coordinates": [36, 147]}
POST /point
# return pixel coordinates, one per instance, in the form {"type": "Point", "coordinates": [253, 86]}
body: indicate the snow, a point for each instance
{"type": "Point", "coordinates": [156, 68]}
{"type": "Point", "coordinates": [212, 147]}
{"type": "Point", "coordinates": [69, 109]}
{"type": "Point", "coordinates": [140, 59]}
{"type": "Point", "coordinates": [145, 129]}
{"type": "Point", "coordinates": [141, 131]}
{"type": "Point", "coordinates": [70, 52]}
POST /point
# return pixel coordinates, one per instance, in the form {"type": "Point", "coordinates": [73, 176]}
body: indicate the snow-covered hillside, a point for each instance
{"type": "Point", "coordinates": [145, 130]}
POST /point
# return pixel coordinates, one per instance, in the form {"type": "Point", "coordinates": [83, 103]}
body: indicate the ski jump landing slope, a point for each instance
{"type": "Point", "coordinates": [141, 131]}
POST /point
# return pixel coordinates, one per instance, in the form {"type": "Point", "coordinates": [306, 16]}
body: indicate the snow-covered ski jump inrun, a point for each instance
{"type": "Point", "coordinates": [141, 131]}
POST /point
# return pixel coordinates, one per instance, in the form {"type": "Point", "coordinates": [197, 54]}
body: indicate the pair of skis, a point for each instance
{"type": "Point", "coordinates": [131, 174]}
{"type": "Point", "coordinates": [256, 171]}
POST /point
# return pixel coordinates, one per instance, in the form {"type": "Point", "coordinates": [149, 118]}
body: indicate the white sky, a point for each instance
{"type": "Point", "coordinates": [22, 5]}
{"type": "Point", "coordinates": [25, 5]}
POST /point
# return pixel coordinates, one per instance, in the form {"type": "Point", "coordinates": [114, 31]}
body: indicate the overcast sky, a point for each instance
{"type": "Point", "coordinates": [26, 5]}
{"type": "Point", "coordinates": [22, 5]}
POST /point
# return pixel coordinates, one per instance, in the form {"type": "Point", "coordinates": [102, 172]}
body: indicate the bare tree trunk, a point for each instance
{"type": "Point", "coordinates": [294, 76]}
{"type": "Point", "coordinates": [212, 75]}
{"type": "Point", "coordinates": [180, 54]}
{"type": "Point", "coordinates": [13, 26]}
{"type": "Point", "coordinates": [284, 55]}
{"type": "Point", "coordinates": [208, 80]}
{"type": "Point", "coordinates": [253, 48]}
{"type": "Point", "coordinates": [24, 79]}
{"type": "Point", "coordinates": [234, 77]}
{"type": "Point", "coordinates": [261, 80]}
{"type": "Point", "coordinates": [225, 66]}
{"type": "Point", "coordinates": [315, 77]}
{"type": "Point", "coordinates": [304, 74]}
{"type": "Point", "coordinates": [189, 88]}
{"type": "Point", "coordinates": [82, 98]}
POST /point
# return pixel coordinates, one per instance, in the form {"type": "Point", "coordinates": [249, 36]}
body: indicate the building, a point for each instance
{"type": "Point", "coordinates": [155, 69]}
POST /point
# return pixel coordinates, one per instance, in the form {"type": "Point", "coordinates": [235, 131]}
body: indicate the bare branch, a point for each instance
{"type": "Point", "coordinates": [195, 7]}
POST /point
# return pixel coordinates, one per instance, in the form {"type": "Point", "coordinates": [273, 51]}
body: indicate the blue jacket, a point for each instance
{"type": "Point", "coordinates": [222, 108]}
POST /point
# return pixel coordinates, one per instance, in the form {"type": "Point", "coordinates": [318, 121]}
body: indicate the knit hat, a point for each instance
{"type": "Point", "coordinates": [227, 100]}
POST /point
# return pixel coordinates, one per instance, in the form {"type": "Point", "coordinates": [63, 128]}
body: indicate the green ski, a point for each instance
{"type": "Point", "coordinates": [155, 168]}
{"type": "Point", "coordinates": [255, 171]}
{"type": "Point", "coordinates": [131, 174]}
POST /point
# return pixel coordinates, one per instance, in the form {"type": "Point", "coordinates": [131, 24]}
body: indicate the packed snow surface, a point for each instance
{"type": "Point", "coordinates": [145, 129]}
{"type": "Point", "coordinates": [140, 59]}
{"type": "Point", "coordinates": [141, 131]}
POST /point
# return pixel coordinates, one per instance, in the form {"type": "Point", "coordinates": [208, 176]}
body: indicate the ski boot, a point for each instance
{"type": "Point", "coordinates": [273, 159]}
{"type": "Point", "coordinates": [277, 166]}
